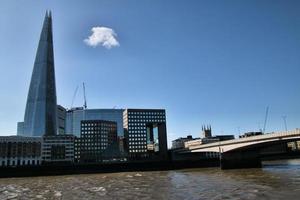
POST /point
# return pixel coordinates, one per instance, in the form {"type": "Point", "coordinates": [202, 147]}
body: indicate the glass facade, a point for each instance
{"type": "Point", "coordinates": [76, 115]}
{"type": "Point", "coordinates": [40, 112]}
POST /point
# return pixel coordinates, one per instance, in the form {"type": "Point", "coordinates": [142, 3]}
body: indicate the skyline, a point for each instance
{"type": "Point", "coordinates": [184, 114]}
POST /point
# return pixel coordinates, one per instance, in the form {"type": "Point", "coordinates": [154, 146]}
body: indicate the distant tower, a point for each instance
{"type": "Point", "coordinates": [40, 113]}
{"type": "Point", "coordinates": [206, 131]}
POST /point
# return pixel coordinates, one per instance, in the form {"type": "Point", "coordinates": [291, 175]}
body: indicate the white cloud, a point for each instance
{"type": "Point", "coordinates": [102, 36]}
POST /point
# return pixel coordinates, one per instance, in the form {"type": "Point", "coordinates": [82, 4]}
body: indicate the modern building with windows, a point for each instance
{"type": "Point", "coordinates": [61, 120]}
{"type": "Point", "coordinates": [20, 151]}
{"type": "Point", "coordinates": [58, 148]}
{"type": "Point", "coordinates": [76, 115]}
{"type": "Point", "coordinates": [145, 133]}
{"type": "Point", "coordinates": [40, 112]}
{"type": "Point", "coordinates": [96, 136]}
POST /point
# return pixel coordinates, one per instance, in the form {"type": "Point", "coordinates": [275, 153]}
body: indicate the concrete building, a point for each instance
{"type": "Point", "coordinates": [145, 133]}
{"type": "Point", "coordinates": [76, 115]}
{"type": "Point", "coordinates": [58, 148]}
{"type": "Point", "coordinates": [19, 150]}
{"type": "Point", "coordinates": [40, 112]}
{"type": "Point", "coordinates": [179, 142]}
{"type": "Point", "coordinates": [96, 136]}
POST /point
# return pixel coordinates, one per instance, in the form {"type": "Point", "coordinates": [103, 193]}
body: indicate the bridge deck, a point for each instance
{"type": "Point", "coordinates": [196, 144]}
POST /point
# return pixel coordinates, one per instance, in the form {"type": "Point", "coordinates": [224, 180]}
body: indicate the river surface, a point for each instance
{"type": "Point", "coordinates": [277, 180]}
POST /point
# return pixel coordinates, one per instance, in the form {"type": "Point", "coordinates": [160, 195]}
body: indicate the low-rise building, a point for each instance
{"type": "Point", "coordinates": [58, 148]}
{"type": "Point", "coordinates": [179, 142]}
{"type": "Point", "coordinates": [249, 134]}
{"type": "Point", "coordinates": [20, 150]}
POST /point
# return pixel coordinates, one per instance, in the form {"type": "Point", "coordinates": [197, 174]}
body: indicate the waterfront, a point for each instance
{"type": "Point", "coordinates": [281, 180]}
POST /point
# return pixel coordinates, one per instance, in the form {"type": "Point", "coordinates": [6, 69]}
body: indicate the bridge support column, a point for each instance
{"type": "Point", "coordinates": [240, 159]}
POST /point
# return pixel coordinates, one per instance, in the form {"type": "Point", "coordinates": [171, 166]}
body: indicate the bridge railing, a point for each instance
{"type": "Point", "coordinates": [198, 143]}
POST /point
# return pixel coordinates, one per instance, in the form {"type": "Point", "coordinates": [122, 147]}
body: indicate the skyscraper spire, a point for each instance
{"type": "Point", "coordinates": [40, 113]}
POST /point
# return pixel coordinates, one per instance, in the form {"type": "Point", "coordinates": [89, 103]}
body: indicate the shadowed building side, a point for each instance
{"type": "Point", "coordinates": [40, 113]}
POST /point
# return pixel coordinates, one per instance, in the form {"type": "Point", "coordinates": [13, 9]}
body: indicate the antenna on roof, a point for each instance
{"type": "Point", "coordinates": [266, 118]}
{"type": "Point", "coordinates": [84, 96]}
{"type": "Point", "coordinates": [284, 120]}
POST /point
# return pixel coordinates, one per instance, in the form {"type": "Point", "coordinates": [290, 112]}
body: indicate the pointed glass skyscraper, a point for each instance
{"type": "Point", "coordinates": [40, 113]}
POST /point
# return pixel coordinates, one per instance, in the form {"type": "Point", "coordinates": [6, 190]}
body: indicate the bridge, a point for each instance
{"type": "Point", "coordinates": [245, 152]}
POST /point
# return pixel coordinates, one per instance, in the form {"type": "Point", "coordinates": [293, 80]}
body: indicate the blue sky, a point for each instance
{"type": "Point", "coordinates": [206, 62]}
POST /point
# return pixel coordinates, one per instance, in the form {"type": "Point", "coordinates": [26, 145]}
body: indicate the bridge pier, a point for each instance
{"type": "Point", "coordinates": [240, 159]}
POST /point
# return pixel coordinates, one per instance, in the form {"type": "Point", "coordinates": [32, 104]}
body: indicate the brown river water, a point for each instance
{"type": "Point", "coordinates": [277, 180]}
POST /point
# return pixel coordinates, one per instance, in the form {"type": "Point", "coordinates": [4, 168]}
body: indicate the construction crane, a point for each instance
{"type": "Point", "coordinates": [284, 121]}
{"type": "Point", "coordinates": [84, 97]}
{"type": "Point", "coordinates": [266, 118]}
{"type": "Point", "coordinates": [74, 95]}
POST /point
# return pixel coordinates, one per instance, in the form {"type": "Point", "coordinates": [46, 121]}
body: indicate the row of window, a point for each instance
{"type": "Point", "coordinates": [136, 135]}
{"type": "Point", "coordinates": [137, 139]}
{"type": "Point", "coordinates": [137, 151]}
{"type": "Point", "coordinates": [137, 131]}
{"type": "Point", "coordinates": [97, 128]}
{"type": "Point", "coordinates": [146, 117]}
{"type": "Point", "coordinates": [93, 144]}
{"type": "Point", "coordinates": [137, 143]}
{"type": "Point", "coordinates": [146, 113]}
{"type": "Point", "coordinates": [146, 120]}
{"type": "Point", "coordinates": [97, 125]}
{"type": "Point", "coordinates": [93, 148]}
{"type": "Point", "coordinates": [136, 127]}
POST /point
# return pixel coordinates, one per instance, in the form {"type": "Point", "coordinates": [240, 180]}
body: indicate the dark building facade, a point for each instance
{"type": "Point", "coordinates": [20, 151]}
{"type": "Point", "coordinates": [58, 148]}
{"type": "Point", "coordinates": [96, 136]}
{"type": "Point", "coordinates": [40, 113]}
{"type": "Point", "coordinates": [145, 133]}
{"type": "Point", "coordinates": [206, 131]}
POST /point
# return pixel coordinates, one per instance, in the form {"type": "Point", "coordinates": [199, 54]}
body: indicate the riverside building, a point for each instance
{"type": "Point", "coordinates": [179, 142]}
{"type": "Point", "coordinates": [96, 136]}
{"type": "Point", "coordinates": [20, 151]}
{"type": "Point", "coordinates": [76, 115]}
{"type": "Point", "coordinates": [58, 148]}
{"type": "Point", "coordinates": [41, 108]}
{"type": "Point", "coordinates": [145, 133]}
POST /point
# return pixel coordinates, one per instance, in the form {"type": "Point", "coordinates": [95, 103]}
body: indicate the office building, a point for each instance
{"type": "Point", "coordinates": [61, 120]}
{"type": "Point", "coordinates": [145, 133]}
{"type": "Point", "coordinates": [76, 115]}
{"type": "Point", "coordinates": [20, 151]}
{"type": "Point", "coordinates": [58, 148]}
{"type": "Point", "coordinates": [40, 112]}
{"type": "Point", "coordinates": [20, 128]}
{"type": "Point", "coordinates": [96, 136]}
